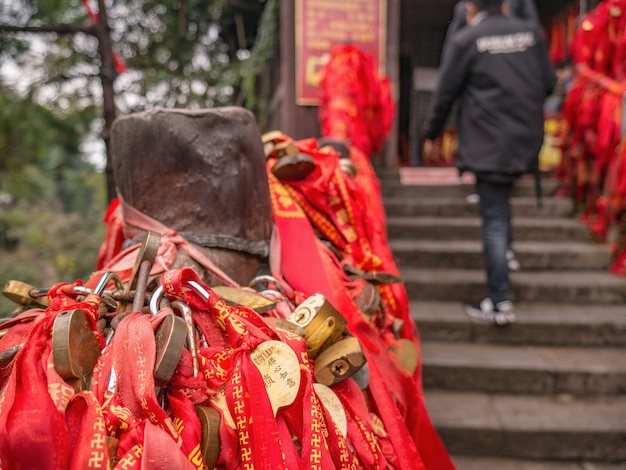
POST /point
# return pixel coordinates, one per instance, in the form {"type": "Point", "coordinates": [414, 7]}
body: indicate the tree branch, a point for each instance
{"type": "Point", "coordinates": [50, 28]}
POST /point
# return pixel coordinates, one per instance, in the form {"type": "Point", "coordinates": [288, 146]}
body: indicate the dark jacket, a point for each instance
{"type": "Point", "coordinates": [500, 73]}
{"type": "Point", "coordinates": [522, 9]}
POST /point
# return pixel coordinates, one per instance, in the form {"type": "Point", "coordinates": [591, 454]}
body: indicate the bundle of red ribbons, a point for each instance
{"type": "Point", "coordinates": [246, 391]}
{"type": "Point", "coordinates": [593, 170]}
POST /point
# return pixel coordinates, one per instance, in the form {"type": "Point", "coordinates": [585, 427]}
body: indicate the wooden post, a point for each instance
{"type": "Point", "coordinates": [201, 173]}
{"type": "Point", "coordinates": [390, 157]}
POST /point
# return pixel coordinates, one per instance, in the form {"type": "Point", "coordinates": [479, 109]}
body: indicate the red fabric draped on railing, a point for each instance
{"type": "Point", "coordinates": [592, 170]}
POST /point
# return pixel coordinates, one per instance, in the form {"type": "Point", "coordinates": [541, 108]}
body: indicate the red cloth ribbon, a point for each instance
{"type": "Point", "coordinates": [171, 243]}
{"type": "Point", "coordinates": [120, 66]}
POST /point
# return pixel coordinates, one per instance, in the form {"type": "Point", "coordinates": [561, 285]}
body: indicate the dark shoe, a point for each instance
{"type": "Point", "coordinates": [501, 314]}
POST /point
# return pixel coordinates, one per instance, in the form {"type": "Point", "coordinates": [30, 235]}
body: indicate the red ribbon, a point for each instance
{"type": "Point", "coordinates": [171, 242]}
{"type": "Point", "coordinates": [120, 66]}
{"type": "Point", "coordinates": [33, 432]}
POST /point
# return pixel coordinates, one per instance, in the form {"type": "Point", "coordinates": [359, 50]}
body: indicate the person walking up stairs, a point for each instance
{"type": "Point", "coordinates": [546, 392]}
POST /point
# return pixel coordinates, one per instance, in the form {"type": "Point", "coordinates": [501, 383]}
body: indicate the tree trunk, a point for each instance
{"type": "Point", "coordinates": [108, 73]}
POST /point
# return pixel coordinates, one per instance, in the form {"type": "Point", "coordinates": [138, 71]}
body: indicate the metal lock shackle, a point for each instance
{"type": "Point", "coordinates": [159, 293]}
{"type": "Point", "coordinates": [267, 279]}
{"type": "Point", "coordinates": [104, 281]}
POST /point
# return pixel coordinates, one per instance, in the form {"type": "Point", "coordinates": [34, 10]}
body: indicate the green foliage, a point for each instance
{"type": "Point", "coordinates": [176, 49]}
{"type": "Point", "coordinates": [178, 55]}
{"type": "Point", "coordinates": [51, 200]}
{"type": "Point", "coordinates": [52, 245]}
{"type": "Point", "coordinates": [37, 147]}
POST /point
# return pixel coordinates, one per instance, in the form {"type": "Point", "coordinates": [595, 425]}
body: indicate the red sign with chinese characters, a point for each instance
{"type": "Point", "coordinates": [321, 24]}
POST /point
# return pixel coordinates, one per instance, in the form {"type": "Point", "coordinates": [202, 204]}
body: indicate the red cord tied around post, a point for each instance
{"type": "Point", "coordinates": [171, 243]}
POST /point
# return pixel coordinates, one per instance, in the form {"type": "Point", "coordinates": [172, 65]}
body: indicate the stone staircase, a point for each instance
{"type": "Point", "coordinates": [546, 393]}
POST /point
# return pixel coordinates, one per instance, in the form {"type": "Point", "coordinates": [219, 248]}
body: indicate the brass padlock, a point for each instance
{"type": "Point", "coordinates": [263, 282]}
{"type": "Point", "coordinates": [269, 140]}
{"type": "Point", "coordinates": [362, 377]}
{"type": "Point", "coordinates": [339, 361]}
{"type": "Point", "coordinates": [293, 167]}
{"type": "Point", "coordinates": [233, 296]}
{"type": "Point", "coordinates": [333, 405]}
{"type": "Point", "coordinates": [210, 442]}
{"type": "Point", "coordinates": [287, 326]}
{"type": "Point", "coordinates": [24, 294]}
{"type": "Point", "coordinates": [75, 348]}
{"type": "Point", "coordinates": [285, 148]}
{"type": "Point", "coordinates": [339, 146]}
{"type": "Point", "coordinates": [322, 323]}
{"type": "Point", "coordinates": [406, 352]}
{"type": "Point", "coordinates": [271, 136]}
{"type": "Point", "coordinates": [348, 167]}
{"type": "Point", "coordinates": [190, 326]}
{"type": "Point", "coordinates": [170, 338]}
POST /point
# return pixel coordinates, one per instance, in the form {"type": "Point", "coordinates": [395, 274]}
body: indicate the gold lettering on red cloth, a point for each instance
{"type": "Point", "coordinates": [179, 425]}
{"type": "Point", "coordinates": [60, 392]}
{"type": "Point", "coordinates": [241, 420]}
{"type": "Point", "coordinates": [369, 437]}
{"type": "Point", "coordinates": [318, 220]}
{"type": "Point", "coordinates": [282, 202]}
{"type": "Point", "coordinates": [195, 457]}
{"type": "Point", "coordinates": [132, 459]}
{"type": "Point", "coordinates": [96, 460]}
{"type": "Point", "coordinates": [316, 457]}
{"type": "Point", "coordinates": [123, 415]}
{"type": "Point", "coordinates": [97, 446]}
{"type": "Point", "coordinates": [97, 442]}
{"type": "Point", "coordinates": [355, 233]}
{"type": "Point", "coordinates": [319, 432]}
{"type": "Point", "coordinates": [388, 297]}
{"type": "Point", "coordinates": [337, 212]}
{"type": "Point", "coordinates": [217, 366]}
{"type": "Point", "coordinates": [98, 425]}
{"type": "Point", "coordinates": [342, 214]}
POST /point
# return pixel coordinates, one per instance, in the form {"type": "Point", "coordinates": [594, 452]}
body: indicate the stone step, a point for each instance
{"type": "Point", "coordinates": [523, 369]}
{"type": "Point", "coordinates": [532, 256]}
{"type": "Point", "coordinates": [457, 207]}
{"type": "Point", "coordinates": [461, 189]}
{"type": "Point", "coordinates": [468, 228]}
{"type": "Point", "coordinates": [468, 285]}
{"type": "Point", "coordinates": [485, 463]}
{"type": "Point", "coordinates": [549, 324]}
{"type": "Point", "coordinates": [561, 427]}
{"type": "Point", "coordinates": [387, 176]}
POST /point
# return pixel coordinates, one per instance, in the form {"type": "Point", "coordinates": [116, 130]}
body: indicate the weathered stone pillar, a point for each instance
{"type": "Point", "coordinates": [201, 173]}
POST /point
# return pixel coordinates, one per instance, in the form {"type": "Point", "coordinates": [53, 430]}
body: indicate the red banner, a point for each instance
{"type": "Point", "coordinates": [321, 24]}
